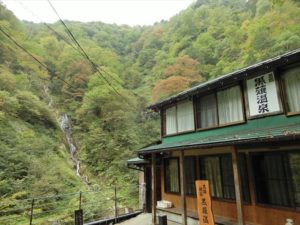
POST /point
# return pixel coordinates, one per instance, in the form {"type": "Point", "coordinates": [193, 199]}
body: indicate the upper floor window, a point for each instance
{"type": "Point", "coordinates": [292, 89]}
{"type": "Point", "coordinates": [207, 113]}
{"type": "Point", "coordinates": [262, 95]}
{"type": "Point", "coordinates": [222, 108]}
{"type": "Point", "coordinates": [230, 106]}
{"type": "Point", "coordinates": [179, 118]}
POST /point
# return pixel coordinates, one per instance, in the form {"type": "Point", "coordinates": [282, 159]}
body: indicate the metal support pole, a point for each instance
{"type": "Point", "coordinates": [80, 198]}
{"type": "Point", "coordinates": [116, 206]}
{"type": "Point", "coordinates": [31, 212]}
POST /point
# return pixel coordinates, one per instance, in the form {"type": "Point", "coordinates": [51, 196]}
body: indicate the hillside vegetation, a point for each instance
{"type": "Point", "coordinates": [137, 66]}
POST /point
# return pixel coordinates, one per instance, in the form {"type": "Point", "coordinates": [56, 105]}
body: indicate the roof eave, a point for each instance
{"type": "Point", "coordinates": [224, 143]}
{"type": "Point", "coordinates": [230, 77]}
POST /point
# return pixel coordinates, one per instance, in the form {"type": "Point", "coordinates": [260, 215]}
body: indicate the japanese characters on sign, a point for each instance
{"type": "Point", "coordinates": [204, 203]}
{"type": "Point", "coordinates": [262, 95]}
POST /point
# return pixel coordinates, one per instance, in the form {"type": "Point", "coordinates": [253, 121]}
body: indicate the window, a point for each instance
{"type": "Point", "coordinates": [216, 169]}
{"type": "Point", "coordinates": [230, 105]}
{"type": "Point", "coordinates": [277, 178]}
{"type": "Point", "coordinates": [219, 172]}
{"type": "Point", "coordinates": [179, 118]}
{"type": "Point", "coordinates": [242, 163]}
{"type": "Point", "coordinates": [171, 174]}
{"type": "Point", "coordinates": [185, 116]}
{"type": "Point", "coordinates": [190, 174]}
{"type": "Point", "coordinates": [222, 108]}
{"type": "Point", "coordinates": [171, 123]}
{"type": "Point", "coordinates": [292, 89]}
{"type": "Point", "coordinates": [207, 114]}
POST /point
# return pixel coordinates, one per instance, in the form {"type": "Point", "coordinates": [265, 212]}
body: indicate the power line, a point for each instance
{"type": "Point", "coordinates": [53, 31]}
{"type": "Point", "coordinates": [83, 51]}
{"type": "Point", "coordinates": [62, 37]}
{"type": "Point", "coordinates": [34, 58]}
{"type": "Point", "coordinates": [21, 47]}
{"type": "Point", "coordinates": [47, 25]}
{"type": "Point", "coordinates": [56, 196]}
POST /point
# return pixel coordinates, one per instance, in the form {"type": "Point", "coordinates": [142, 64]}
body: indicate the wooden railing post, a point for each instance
{"type": "Point", "coordinates": [183, 188]}
{"type": "Point", "coordinates": [237, 187]}
{"type": "Point", "coordinates": [80, 198]}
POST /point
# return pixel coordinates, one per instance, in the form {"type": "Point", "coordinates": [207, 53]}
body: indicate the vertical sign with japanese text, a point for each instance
{"type": "Point", "coordinates": [262, 95]}
{"type": "Point", "coordinates": [204, 203]}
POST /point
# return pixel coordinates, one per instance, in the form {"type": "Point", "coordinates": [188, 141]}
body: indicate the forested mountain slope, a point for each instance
{"type": "Point", "coordinates": [137, 65]}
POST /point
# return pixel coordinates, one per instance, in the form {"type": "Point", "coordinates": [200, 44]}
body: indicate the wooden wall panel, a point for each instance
{"type": "Point", "coordinates": [254, 214]}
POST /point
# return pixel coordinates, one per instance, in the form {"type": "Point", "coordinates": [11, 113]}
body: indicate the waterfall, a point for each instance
{"type": "Point", "coordinates": [46, 91]}
{"type": "Point", "coordinates": [66, 126]}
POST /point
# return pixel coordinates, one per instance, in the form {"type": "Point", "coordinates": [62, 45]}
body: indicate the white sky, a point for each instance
{"type": "Point", "coordinates": [130, 12]}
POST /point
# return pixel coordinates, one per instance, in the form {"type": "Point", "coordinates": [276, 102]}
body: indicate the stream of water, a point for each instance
{"type": "Point", "coordinates": [66, 126]}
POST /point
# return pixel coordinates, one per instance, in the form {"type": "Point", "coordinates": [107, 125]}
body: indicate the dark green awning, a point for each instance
{"type": "Point", "coordinates": [136, 161]}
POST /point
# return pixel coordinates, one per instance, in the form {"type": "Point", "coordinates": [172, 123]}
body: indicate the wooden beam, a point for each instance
{"type": "Point", "coordinates": [183, 188]}
{"type": "Point", "coordinates": [237, 185]}
{"type": "Point", "coordinates": [153, 187]}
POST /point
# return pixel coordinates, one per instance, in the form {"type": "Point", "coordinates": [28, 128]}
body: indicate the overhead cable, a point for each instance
{"type": "Point", "coordinates": [34, 58]}
{"type": "Point", "coordinates": [85, 54]}
{"type": "Point", "coordinates": [47, 25]}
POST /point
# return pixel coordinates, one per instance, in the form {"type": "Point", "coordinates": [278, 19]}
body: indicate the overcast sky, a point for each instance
{"type": "Point", "coordinates": [130, 12]}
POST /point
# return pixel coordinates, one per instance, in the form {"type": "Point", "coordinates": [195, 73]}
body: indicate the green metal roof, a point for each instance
{"type": "Point", "coordinates": [257, 130]}
{"type": "Point", "coordinates": [285, 59]}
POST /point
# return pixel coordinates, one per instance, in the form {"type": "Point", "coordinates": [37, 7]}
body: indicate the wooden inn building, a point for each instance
{"type": "Point", "coordinates": [241, 132]}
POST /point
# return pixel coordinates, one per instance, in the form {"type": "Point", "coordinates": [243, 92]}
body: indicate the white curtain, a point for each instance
{"type": "Point", "coordinates": [185, 116]}
{"type": "Point", "coordinates": [230, 105]}
{"type": "Point", "coordinates": [208, 111]}
{"type": "Point", "coordinates": [171, 127]}
{"type": "Point", "coordinates": [292, 89]}
{"type": "Point", "coordinates": [211, 166]}
{"type": "Point", "coordinates": [174, 175]}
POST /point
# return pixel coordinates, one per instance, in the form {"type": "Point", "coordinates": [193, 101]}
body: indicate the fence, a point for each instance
{"type": "Point", "coordinates": [59, 209]}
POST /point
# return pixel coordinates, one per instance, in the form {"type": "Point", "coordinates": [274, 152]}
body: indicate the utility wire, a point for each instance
{"type": "Point", "coordinates": [33, 57]}
{"type": "Point", "coordinates": [85, 54]}
{"type": "Point", "coordinates": [21, 47]}
{"type": "Point", "coordinates": [48, 26]}
{"type": "Point", "coordinates": [62, 37]}
{"type": "Point", "coordinates": [53, 31]}
{"type": "Point", "coordinates": [56, 196]}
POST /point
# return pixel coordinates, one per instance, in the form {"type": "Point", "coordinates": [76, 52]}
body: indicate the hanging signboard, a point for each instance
{"type": "Point", "coordinates": [262, 95]}
{"type": "Point", "coordinates": [204, 203]}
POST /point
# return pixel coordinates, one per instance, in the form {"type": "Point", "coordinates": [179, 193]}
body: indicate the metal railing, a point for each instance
{"type": "Point", "coordinates": [59, 209]}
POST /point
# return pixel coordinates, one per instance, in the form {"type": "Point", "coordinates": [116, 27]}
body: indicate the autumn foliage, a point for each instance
{"type": "Point", "coordinates": [178, 77]}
